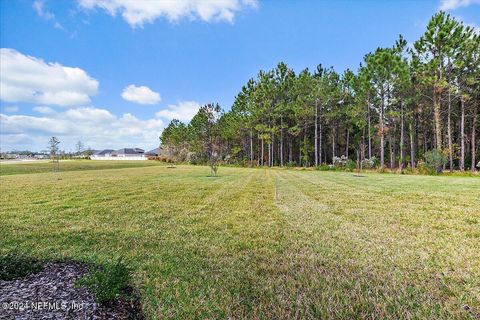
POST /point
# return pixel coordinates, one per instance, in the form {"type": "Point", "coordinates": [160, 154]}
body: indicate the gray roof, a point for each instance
{"type": "Point", "coordinates": [153, 152]}
{"type": "Point", "coordinates": [129, 151]}
{"type": "Point", "coordinates": [103, 152]}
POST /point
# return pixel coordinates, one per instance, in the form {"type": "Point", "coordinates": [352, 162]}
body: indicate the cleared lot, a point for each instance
{"type": "Point", "coordinates": [256, 243]}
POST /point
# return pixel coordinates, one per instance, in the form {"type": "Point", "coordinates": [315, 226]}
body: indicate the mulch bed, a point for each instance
{"type": "Point", "coordinates": [50, 294]}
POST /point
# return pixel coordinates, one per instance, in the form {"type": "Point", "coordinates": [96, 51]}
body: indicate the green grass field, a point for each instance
{"type": "Point", "coordinates": [260, 243]}
{"type": "Point", "coordinates": [70, 165]}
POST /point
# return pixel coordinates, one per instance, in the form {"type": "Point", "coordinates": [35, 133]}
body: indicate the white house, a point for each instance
{"type": "Point", "coordinates": [120, 154]}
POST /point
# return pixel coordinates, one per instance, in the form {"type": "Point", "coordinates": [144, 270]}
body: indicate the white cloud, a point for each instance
{"type": "Point", "coordinates": [40, 10]}
{"type": "Point", "coordinates": [11, 109]}
{"type": "Point", "coordinates": [97, 128]}
{"type": "Point", "coordinates": [42, 109]}
{"type": "Point", "coordinates": [24, 79]}
{"type": "Point", "coordinates": [142, 95]}
{"type": "Point", "coordinates": [455, 4]}
{"type": "Point", "coordinates": [138, 12]}
{"type": "Point", "coordinates": [183, 111]}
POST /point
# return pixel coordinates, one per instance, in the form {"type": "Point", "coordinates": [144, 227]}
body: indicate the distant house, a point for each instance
{"type": "Point", "coordinates": [120, 154]}
{"type": "Point", "coordinates": [101, 154]}
{"type": "Point", "coordinates": [153, 153]}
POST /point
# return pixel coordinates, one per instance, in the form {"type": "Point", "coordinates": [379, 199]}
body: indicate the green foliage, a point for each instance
{"type": "Point", "coordinates": [371, 163]}
{"type": "Point", "coordinates": [108, 282]}
{"type": "Point", "coordinates": [350, 165]}
{"type": "Point", "coordinates": [16, 264]}
{"type": "Point", "coordinates": [434, 161]}
{"type": "Point", "coordinates": [327, 167]}
{"type": "Point", "coordinates": [311, 116]}
{"type": "Point", "coordinates": [213, 164]}
{"type": "Point", "coordinates": [291, 164]}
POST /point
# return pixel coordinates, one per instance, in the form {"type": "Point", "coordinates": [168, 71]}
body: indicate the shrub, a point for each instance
{"type": "Point", "coordinates": [422, 168]}
{"type": "Point", "coordinates": [371, 163]}
{"type": "Point", "coordinates": [344, 163]}
{"type": "Point", "coordinates": [408, 170]}
{"type": "Point", "coordinates": [291, 164]}
{"type": "Point", "coordinates": [16, 265]}
{"type": "Point", "coordinates": [340, 161]}
{"type": "Point", "coordinates": [434, 161]}
{"type": "Point", "coordinates": [350, 165]}
{"type": "Point", "coordinates": [326, 167]}
{"type": "Point", "coordinates": [107, 283]}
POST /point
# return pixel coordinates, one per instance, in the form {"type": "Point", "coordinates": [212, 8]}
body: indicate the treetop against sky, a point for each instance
{"type": "Point", "coordinates": [113, 73]}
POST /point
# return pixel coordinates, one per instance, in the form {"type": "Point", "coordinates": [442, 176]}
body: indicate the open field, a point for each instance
{"type": "Point", "coordinates": [260, 243]}
{"type": "Point", "coordinates": [69, 165]}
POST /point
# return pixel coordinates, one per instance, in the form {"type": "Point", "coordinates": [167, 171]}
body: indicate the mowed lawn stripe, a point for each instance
{"type": "Point", "coordinates": [415, 263]}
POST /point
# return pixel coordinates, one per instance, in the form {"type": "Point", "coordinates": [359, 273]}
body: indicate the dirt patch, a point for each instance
{"type": "Point", "coordinates": [51, 294]}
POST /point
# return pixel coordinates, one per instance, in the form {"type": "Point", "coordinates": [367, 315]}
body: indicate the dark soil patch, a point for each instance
{"type": "Point", "coordinates": [51, 294]}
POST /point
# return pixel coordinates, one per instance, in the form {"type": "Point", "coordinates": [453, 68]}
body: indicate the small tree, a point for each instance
{"type": "Point", "coordinates": [53, 149]}
{"type": "Point", "coordinates": [88, 153]}
{"type": "Point", "coordinates": [434, 160]}
{"type": "Point", "coordinates": [213, 163]}
{"type": "Point", "coordinates": [79, 147]}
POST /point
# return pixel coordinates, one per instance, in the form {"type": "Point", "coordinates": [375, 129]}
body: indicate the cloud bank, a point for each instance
{"type": "Point", "coordinates": [183, 111]}
{"type": "Point", "coordinates": [22, 79]}
{"type": "Point", "coordinates": [96, 127]}
{"type": "Point", "coordinates": [137, 13]}
{"type": "Point", "coordinates": [455, 4]}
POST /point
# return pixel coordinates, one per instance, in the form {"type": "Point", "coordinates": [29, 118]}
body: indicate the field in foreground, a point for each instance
{"type": "Point", "coordinates": [261, 243]}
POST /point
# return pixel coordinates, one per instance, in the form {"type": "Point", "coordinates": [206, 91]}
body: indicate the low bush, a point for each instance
{"type": "Point", "coordinates": [291, 164]}
{"type": "Point", "coordinates": [109, 282]}
{"type": "Point", "coordinates": [326, 167]}
{"type": "Point", "coordinates": [16, 265]}
{"type": "Point", "coordinates": [434, 161]}
{"type": "Point", "coordinates": [422, 168]}
{"type": "Point", "coordinates": [350, 165]}
{"type": "Point", "coordinates": [340, 162]}
{"type": "Point", "coordinates": [371, 163]}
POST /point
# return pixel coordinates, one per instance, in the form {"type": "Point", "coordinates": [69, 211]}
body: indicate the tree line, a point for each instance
{"type": "Point", "coordinates": [405, 105]}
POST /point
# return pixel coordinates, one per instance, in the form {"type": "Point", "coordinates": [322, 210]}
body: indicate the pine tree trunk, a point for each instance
{"type": "Point", "coordinates": [348, 138]}
{"type": "Point", "coordinates": [272, 141]}
{"type": "Point", "coordinates": [369, 133]}
{"type": "Point", "coordinates": [269, 161]}
{"type": "Point", "coordinates": [305, 145]}
{"type": "Point", "coordinates": [412, 147]}
{"type": "Point", "coordinates": [462, 134]}
{"type": "Point", "coordinates": [281, 141]}
{"type": "Point", "coordinates": [474, 128]}
{"type": "Point", "coordinates": [316, 134]}
{"type": "Point", "coordinates": [449, 132]}
{"type": "Point", "coordinates": [382, 135]}
{"type": "Point", "coordinates": [392, 156]}
{"type": "Point", "coordinates": [320, 142]}
{"type": "Point", "coordinates": [251, 147]}
{"type": "Point", "coordinates": [333, 143]}
{"type": "Point", "coordinates": [402, 138]}
{"type": "Point", "coordinates": [262, 163]}
{"type": "Point", "coordinates": [272, 161]}
{"type": "Point", "coordinates": [438, 120]}
{"type": "Point", "coordinates": [290, 151]}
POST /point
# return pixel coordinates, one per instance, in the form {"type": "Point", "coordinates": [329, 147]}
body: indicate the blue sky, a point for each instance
{"type": "Point", "coordinates": [173, 56]}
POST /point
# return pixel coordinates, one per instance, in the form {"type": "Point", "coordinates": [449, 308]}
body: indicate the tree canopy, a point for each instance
{"type": "Point", "coordinates": [402, 102]}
